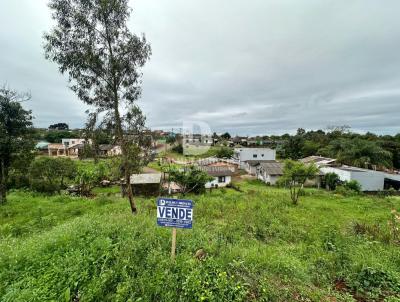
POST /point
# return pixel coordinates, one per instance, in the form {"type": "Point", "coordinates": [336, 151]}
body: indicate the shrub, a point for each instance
{"type": "Point", "coordinates": [190, 179]}
{"type": "Point", "coordinates": [224, 152]}
{"type": "Point", "coordinates": [50, 174]}
{"type": "Point", "coordinates": [88, 177]}
{"type": "Point", "coordinates": [178, 149]}
{"type": "Point", "coordinates": [374, 281]}
{"type": "Point", "coordinates": [353, 185]}
{"type": "Point", "coordinates": [331, 180]}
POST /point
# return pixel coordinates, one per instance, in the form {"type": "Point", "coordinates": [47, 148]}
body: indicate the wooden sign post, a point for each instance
{"type": "Point", "coordinates": [173, 247]}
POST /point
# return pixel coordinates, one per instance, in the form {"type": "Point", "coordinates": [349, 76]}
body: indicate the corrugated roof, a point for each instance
{"type": "Point", "coordinates": [153, 178]}
{"type": "Point", "coordinates": [106, 147]}
{"type": "Point", "coordinates": [217, 170]}
{"type": "Point", "coordinates": [317, 160]}
{"type": "Point", "coordinates": [255, 162]}
{"type": "Point", "coordinates": [272, 168]}
{"type": "Point", "coordinates": [56, 146]}
{"type": "Point", "coordinates": [77, 146]}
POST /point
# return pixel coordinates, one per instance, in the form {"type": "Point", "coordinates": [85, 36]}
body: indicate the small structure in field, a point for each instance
{"type": "Point", "coordinates": [146, 184]}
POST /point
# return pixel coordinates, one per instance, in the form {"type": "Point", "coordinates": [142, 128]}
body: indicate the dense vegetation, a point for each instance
{"type": "Point", "coordinates": [361, 150]}
{"type": "Point", "coordinates": [258, 246]}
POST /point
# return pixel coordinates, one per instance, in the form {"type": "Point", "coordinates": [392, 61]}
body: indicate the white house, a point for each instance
{"type": "Point", "coordinates": [69, 142]}
{"type": "Point", "coordinates": [370, 180]}
{"type": "Point", "coordinates": [251, 166]}
{"type": "Point", "coordinates": [68, 147]}
{"type": "Point", "coordinates": [259, 154]}
{"type": "Point", "coordinates": [269, 172]}
{"type": "Point", "coordinates": [222, 175]}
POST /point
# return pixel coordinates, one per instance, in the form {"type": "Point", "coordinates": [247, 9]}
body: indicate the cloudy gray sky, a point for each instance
{"type": "Point", "coordinates": [247, 67]}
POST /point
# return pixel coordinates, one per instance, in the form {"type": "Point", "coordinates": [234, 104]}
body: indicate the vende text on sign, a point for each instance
{"type": "Point", "coordinates": [177, 213]}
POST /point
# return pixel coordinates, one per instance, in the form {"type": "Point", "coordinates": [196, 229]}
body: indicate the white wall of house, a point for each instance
{"type": "Point", "coordinates": [252, 170]}
{"type": "Point", "coordinates": [271, 179]}
{"type": "Point", "coordinates": [116, 150]}
{"type": "Point", "coordinates": [72, 141]}
{"type": "Point", "coordinates": [369, 180]}
{"type": "Point", "coordinates": [244, 154]}
{"type": "Point", "coordinates": [220, 181]}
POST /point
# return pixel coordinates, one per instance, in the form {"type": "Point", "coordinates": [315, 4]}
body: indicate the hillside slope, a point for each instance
{"type": "Point", "coordinates": [258, 247]}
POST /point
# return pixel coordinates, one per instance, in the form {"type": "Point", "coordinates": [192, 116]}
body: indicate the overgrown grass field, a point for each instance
{"type": "Point", "coordinates": [258, 247]}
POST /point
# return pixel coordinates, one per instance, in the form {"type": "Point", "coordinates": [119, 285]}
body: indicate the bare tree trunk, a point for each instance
{"type": "Point", "coordinates": [125, 160]}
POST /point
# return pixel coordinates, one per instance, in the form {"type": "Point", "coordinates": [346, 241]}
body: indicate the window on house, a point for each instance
{"type": "Point", "coordinates": [221, 179]}
{"type": "Point", "coordinates": [262, 155]}
{"type": "Point", "coordinates": [254, 155]}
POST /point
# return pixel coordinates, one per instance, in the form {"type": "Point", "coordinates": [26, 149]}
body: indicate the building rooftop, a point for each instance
{"type": "Point", "coordinates": [254, 162]}
{"type": "Point", "coordinates": [153, 178]}
{"type": "Point", "coordinates": [272, 167]}
{"type": "Point", "coordinates": [106, 147]}
{"type": "Point", "coordinates": [217, 170]}
{"type": "Point", "coordinates": [56, 146]}
{"type": "Point", "coordinates": [319, 160]}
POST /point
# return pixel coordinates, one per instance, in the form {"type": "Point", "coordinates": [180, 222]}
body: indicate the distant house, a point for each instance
{"type": "Point", "coordinates": [109, 150]}
{"type": "Point", "coordinates": [194, 144]}
{"type": "Point", "coordinates": [69, 147]}
{"type": "Point", "coordinates": [269, 172]}
{"type": "Point", "coordinates": [239, 140]}
{"type": "Point", "coordinates": [370, 180]}
{"type": "Point", "coordinates": [242, 155]}
{"type": "Point", "coordinates": [250, 166]}
{"type": "Point", "coordinates": [56, 150]}
{"type": "Point", "coordinates": [146, 184]}
{"type": "Point", "coordinates": [222, 175]}
{"type": "Point", "coordinates": [76, 150]}
{"type": "Point", "coordinates": [42, 147]}
{"type": "Point", "coordinates": [68, 142]}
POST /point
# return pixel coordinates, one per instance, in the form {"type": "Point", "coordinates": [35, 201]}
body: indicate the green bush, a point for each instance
{"type": "Point", "coordinates": [43, 186]}
{"type": "Point", "coordinates": [374, 282]}
{"type": "Point", "coordinates": [49, 175]}
{"type": "Point", "coordinates": [224, 152]}
{"type": "Point", "coordinates": [353, 185]}
{"type": "Point", "coordinates": [332, 180]}
{"type": "Point", "coordinates": [178, 149]}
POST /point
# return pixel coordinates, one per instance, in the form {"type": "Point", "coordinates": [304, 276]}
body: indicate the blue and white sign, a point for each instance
{"type": "Point", "coordinates": [177, 213]}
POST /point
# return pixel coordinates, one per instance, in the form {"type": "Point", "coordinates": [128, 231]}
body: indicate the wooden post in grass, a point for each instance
{"type": "Point", "coordinates": [173, 246]}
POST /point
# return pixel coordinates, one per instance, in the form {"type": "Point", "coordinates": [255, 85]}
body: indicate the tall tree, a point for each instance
{"type": "Point", "coordinates": [93, 45]}
{"type": "Point", "coordinates": [16, 146]}
{"type": "Point", "coordinates": [59, 126]}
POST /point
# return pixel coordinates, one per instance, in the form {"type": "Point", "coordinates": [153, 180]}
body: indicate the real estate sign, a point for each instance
{"type": "Point", "coordinates": [176, 213]}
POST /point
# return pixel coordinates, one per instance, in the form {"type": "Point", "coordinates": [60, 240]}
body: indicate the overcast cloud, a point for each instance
{"type": "Point", "coordinates": [247, 67]}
